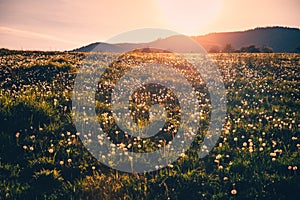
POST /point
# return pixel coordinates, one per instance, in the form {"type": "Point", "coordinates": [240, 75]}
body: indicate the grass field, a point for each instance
{"type": "Point", "coordinates": [256, 157]}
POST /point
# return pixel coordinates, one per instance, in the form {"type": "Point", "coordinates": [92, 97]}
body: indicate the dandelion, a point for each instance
{"type": "Point", "coordinates": [295, 168]}
{"type": "Point", "coordinates": [51, 150]}
{"type": "Point", "coordinates": [272, 154]}
{"type": "Point", "coordinates": [182, 155]}
{"type": "Point", "coordinates": [61, 162]}
{"type": "Point", "coordinates": [233, 192]}
{"type": "Point", "coordinates": [261, 149]}
{"type": "Point", "coordinates": [219, 156]}
{"type": "Point", "coordinates": [31, 148]}
{"type": "Point", "coordinates": [294, 138]}
{"type": "Point", "coordinates": [170, 166]}
{"type": "Point", "coordinates": [69, 160]}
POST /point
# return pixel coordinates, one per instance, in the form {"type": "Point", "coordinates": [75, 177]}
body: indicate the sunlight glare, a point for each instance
{"type": "Point", "coordinates": [189, 16]}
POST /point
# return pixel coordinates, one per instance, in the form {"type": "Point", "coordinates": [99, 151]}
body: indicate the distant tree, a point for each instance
{"type": "Point", "coordinates": [266, 49]}
{"type": "Point", "coordinates": [214, 49]}
{"type": "Point", "coordinates": [228, 49]}
{"type": "Point", "coordinates": [250, 49]}
{"type": "Point", "coordinates": [4, 51]}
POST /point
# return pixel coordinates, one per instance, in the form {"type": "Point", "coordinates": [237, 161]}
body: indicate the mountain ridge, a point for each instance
{"type": "Point", "coordinates": [278, 38]}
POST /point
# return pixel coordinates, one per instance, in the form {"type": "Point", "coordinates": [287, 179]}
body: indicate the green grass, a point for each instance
{"type": "Point", "coordinates": [257, 155]}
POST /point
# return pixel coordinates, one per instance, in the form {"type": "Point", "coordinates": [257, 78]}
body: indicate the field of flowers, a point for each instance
{"type": "Point", "coordinates": [256, 157]}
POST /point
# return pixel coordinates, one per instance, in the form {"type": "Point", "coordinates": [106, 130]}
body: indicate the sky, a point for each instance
{"type": "Point", "coordinates": [68, 24]}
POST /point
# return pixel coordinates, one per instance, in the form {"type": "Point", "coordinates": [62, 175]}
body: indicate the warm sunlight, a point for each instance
{"type": "Point", "coordinates": [149, 99]}
{"type": "Point", "coordinates": [189, 16]}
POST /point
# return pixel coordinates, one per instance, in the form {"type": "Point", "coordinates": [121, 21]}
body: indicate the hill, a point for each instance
{"type": "Point", "coordinates": [280, 39]}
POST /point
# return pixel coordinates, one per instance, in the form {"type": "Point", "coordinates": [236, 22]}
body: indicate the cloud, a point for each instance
{"type": "Point", "coordinates": [30, 34]}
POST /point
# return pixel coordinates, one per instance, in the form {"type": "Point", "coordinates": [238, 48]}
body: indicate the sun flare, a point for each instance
{"type": "Point", "coordinates": [189, 16]}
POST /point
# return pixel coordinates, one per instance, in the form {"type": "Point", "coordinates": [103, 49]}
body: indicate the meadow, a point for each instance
{"type": "Point", "coordinates": [256, 157]}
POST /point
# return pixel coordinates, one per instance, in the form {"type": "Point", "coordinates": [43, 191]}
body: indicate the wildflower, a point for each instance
{"type": "Point", "coordinates": [69, 160]}
{"type": "Point", "coordinates": [235, 139]}
{"type": "Point", "coordinates": [17, 134]}
{"type": "Point", "coordinates": [219, 156]}
{"type": "Point", "coordinates": [61, 162]}
{"type": "Point", "coordinates": [233, 192]}
{"type": "Point", "coordinates": [51, 150]}
{"type": "Point", "coordinates": [182, 155]}
{"type": "Point", "coordinates": [170, 165]}
{"type": "Point", "coordinates": [261, 149]}
{"type": "Point", "coordinates": [272, 154]}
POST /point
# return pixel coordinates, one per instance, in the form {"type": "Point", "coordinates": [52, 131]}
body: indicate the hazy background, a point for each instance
{"type": "Point", "coordinates": [68, 24]}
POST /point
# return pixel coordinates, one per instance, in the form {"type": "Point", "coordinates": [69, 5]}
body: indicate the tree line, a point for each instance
{"type": "Point", "coordinates": [228, 48]}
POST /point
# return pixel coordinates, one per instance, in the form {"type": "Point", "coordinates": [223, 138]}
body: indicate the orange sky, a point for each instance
{"type": "Point", "coordinates": [68, 24]}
